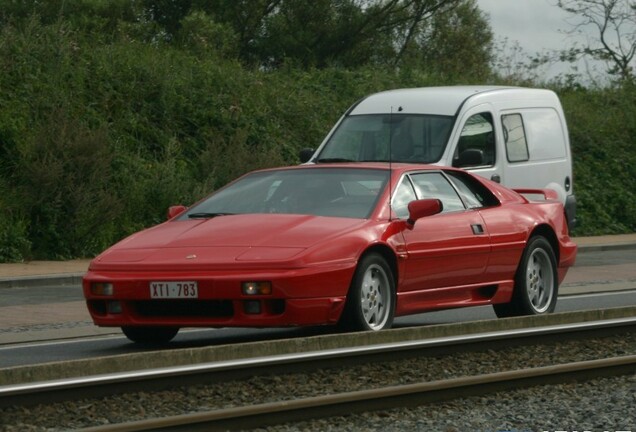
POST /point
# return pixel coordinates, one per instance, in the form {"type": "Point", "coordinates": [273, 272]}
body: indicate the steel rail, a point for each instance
{"type": "Point", "coordinates": [106, 384]}
{"type": "Point", "coordinates": [267, 414]}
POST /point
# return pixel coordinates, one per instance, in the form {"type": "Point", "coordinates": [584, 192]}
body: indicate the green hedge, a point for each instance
{"type": "Point", "coordinates": [98, 138]}
{"type": "Point", "coordinates": [602, 127]}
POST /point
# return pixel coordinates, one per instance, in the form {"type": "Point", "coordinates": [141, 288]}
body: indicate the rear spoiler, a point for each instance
{"type": "Point", "coordinates": [548, 194]}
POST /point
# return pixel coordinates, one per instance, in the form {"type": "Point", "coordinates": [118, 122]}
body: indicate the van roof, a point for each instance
{"type": "Point", "coordinates": [433, 100]}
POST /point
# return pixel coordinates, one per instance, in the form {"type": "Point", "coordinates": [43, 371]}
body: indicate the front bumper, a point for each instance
{"type": "Point", "coordinates": [300, 297]}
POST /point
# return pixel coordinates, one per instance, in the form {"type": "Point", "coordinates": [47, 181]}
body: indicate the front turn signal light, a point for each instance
{"type": "Point", "coordinates": [102, 288]}
{"type": "Point", "coordinates": [257, 288]}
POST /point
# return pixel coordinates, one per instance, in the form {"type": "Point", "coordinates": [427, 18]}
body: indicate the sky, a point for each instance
{"type": "Point", "coordinates": [537, 25]}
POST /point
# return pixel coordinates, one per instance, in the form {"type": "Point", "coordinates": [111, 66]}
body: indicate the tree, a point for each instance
{"type": "Point", "coordinates": [166, 13]}
{"type": "Point", "coordinates": [246, 17]}
{"type": "Point", "coordinates": [615, 24]}
{"type": "Point", "coordinates": [456, 41]}
{"type": "Point", "coordinates": [347, 33]}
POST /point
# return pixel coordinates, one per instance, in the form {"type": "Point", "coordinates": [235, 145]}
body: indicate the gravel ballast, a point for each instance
{"type": "Point", "coordinates": [607, 404]}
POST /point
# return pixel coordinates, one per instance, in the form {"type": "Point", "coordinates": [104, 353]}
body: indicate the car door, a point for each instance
{"type": "Point", "coordinates": [505, 228]}
{"type": "Point", "coordinates": [445, 250]}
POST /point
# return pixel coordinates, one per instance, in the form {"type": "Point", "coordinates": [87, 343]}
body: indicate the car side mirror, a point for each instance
{"type": "Point", "coordinates": [470, 157]}
{"type": "Point", "coordinates": [423, 208]}
{"type": "Point", "coordinates": [175, 211]}
{"type": "Point", "coordinates": [306, 154]}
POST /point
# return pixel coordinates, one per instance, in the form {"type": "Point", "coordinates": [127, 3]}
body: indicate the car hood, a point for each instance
{"type": "Point", "coordinates": [226, 239]}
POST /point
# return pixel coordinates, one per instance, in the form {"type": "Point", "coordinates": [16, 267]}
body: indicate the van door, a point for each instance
{"type": "Point", "coordinates": [475, 144]}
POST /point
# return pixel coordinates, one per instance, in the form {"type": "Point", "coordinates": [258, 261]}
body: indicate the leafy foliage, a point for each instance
{"type": "Point", "coordinates": [602, 126]}
{"type": "Point", "coordinates": [112, 111]}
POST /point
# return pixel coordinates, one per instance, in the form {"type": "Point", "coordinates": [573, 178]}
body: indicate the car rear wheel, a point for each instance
{"type": "Point", "coordinates": [536, 282]}
{"type": "Point", "coordinates": [371, 299]}
{"type": "Point", "coordinates": [150, 335]}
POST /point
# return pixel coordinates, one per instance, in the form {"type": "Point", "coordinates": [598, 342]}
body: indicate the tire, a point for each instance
{"type": "Point", "coordinates": [536, 282]}
{"type": "Point", "coordinates": [371, 299]}
{"type": "Point", "coordinates": [150, 335]}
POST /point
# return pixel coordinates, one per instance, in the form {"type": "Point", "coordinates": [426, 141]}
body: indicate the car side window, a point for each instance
{"type": "Point", "coordinates": [474, 194]}
{"type": "Point", "coordinates": [435, 185]}
{"type": "Point", "coordinates": [404, 194]}
{"type": "Point", "coordinates": [476, 146]}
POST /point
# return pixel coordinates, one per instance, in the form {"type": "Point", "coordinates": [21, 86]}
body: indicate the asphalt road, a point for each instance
{"type": "Point", "coordinates": [28, 353]}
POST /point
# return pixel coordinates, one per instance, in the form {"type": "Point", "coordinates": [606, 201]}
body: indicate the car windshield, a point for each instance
{"type": "Point", "coordinates": [337, 192]}
{"type": "Point", "coordinates": [411, 138]}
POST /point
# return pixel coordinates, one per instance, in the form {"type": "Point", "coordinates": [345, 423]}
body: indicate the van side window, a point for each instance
{"type": "Point", "coordinates": [476, 146]}
{"type": "Point", "coordinates": [515, 138]}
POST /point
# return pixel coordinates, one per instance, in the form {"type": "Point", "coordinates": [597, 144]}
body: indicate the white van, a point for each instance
{"type": "Point", "coordinates": [512, 135]}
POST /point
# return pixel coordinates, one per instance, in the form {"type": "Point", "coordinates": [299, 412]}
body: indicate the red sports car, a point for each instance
{"type": "Point", "coordinates": [354, 244]}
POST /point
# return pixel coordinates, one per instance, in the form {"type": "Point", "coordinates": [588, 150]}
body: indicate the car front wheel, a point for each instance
{"type": "Point", "coordinates": [150, 335]}
{"type": "Point", "coordinates": [371, 299]}
{"type": "Point", "coordinates": [536, 282]}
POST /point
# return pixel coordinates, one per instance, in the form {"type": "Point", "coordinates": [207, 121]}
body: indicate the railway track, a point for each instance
{"type": "Point", "coordinates": [260, 415]}
{"type": "Point", "coordinates": [382, 396]}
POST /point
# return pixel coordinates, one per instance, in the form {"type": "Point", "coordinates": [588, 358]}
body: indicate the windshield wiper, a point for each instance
{"type": "Point", "coordinates": [204, 215]}
{"type": "Point", "coordinates": [328, 160]}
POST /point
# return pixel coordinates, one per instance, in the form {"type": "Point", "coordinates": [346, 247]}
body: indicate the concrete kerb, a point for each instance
{"type": "Point", "coordinates": [68, 279]}
{"type": "Point", "coordinates": [606, 247]}
{"type": "Point", "coordinates": [606, 242]}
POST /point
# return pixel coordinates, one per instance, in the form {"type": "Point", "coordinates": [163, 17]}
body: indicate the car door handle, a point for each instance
{"type": "Point", "coordinates": [496, 178]}
{"type": "Point", "coordinates": [477, 229]}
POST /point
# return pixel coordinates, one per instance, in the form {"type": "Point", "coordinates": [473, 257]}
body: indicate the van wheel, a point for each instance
{"type": "Point", "coordinates": [150, 335]}
{"type": "Point", "coordinates": [536, 282]}
{"type": "Point", "coordinates": [371, 300]}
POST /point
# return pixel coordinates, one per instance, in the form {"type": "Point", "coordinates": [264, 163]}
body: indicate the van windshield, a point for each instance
{"type": "Point", "coordinates": [411, 138]}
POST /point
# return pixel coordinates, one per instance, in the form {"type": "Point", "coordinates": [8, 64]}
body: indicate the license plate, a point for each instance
{"type": "Point", "coordinates": [170, 290]}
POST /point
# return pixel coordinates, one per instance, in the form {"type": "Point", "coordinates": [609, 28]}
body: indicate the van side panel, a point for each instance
{"type": "Point", "coordinates": [546, 139]}
{"type": "Point", "coordinates": [548, 164]}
